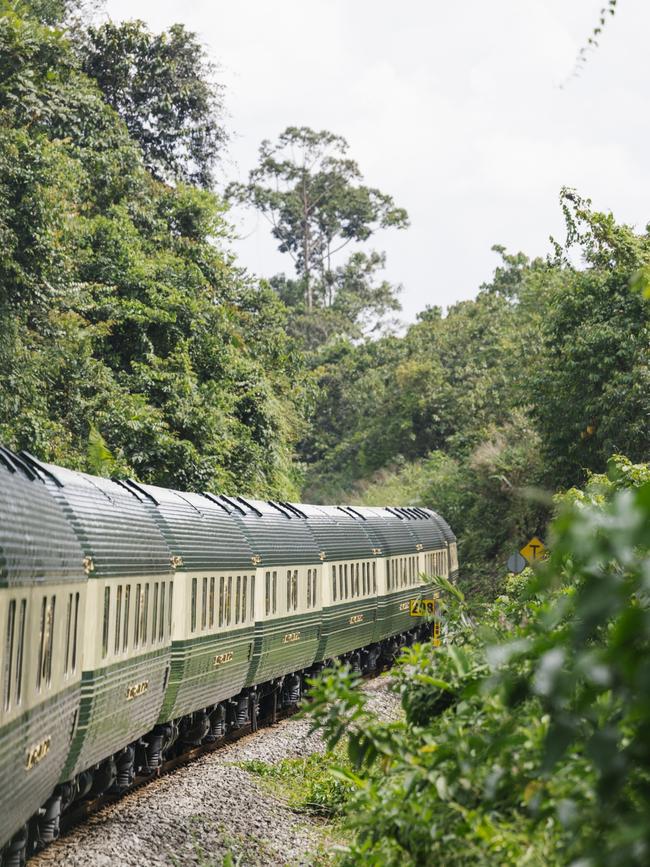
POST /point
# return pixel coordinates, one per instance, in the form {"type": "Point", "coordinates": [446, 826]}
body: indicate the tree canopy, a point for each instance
{"type": "Point", "coordinates": [120, 312]}
{"type": "Point", "coordinates": [163, 86]}
{"type": "Point", "coordinates": [313, 196]}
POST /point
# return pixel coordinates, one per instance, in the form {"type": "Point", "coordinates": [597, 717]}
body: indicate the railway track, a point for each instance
{"type": "Point", "coordinates": [80, 814]}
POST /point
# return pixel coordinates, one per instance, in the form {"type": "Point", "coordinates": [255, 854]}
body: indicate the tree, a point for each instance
{"type": "Point", "coordinates": [312, 194]}
{"type": "Point", "coordinates": [356, 306]}
{"type": "Point", "coordinates": [162, 85]}
{"type": "Point", "coordinates": [591, 378]}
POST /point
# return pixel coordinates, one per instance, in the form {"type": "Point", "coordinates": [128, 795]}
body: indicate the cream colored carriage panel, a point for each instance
{"type": "Point", "coordinates": [40, 650]}
{"type": "Point", "coordinates": [289, 590]}
{"type": "Point", "coordinates": [126, 618]}
{"type": "Point", "coordinates": [346, 580]}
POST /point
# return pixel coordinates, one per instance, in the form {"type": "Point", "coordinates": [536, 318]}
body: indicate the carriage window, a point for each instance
{"type": "Point", "coordinates": [334, 583]}
{"type": "Point", "coordinates": [345, 576]}
{"type": "Point", "coordinates": [49, 641]}
{"type": "Point", "coordinates": [204, 603]}
{"type": "Point", "coordinates": [19, 650]}
{"type": "Point", "coordinates": [295, 589]}
{"type": "Point", "coordinates": [137, 618]}
{"type": "Point", "coordinates": [388, 574]}
{"type": "Point", "coordinates": [161, 627]}
{"type": "Point", "coordinates": [193, 608]}
{"type": "Point", "coordinates": [341, 588]}
{"type": "Point", "coordinates": [244, 588]}
{"type": "Point", "coordinates": [68, 625]}
{"type": "Point", "coordinates": [374, 576]}
{"type": "Point", "coordinates": [127, 605]}
{"type": "Point", "coordinates": [212, 581]}
{"type": "Point", "coordinates": [237, 599]}
{"type": "Point", "coordinates": [308, 588]}
{"type": "Point", "coordinates": [74, 632]}
{"type": "Point", "coordinates": [171, 608]}
{"type": "Point", "coordinates": [9, 652]}
{"type": "Point", "coordinates": [154, 624]}
{"type": "Point", "coordinates": [288, 589]}
{"type": "Point", "coordinates": [267, 597]}
{"type": "Point", "coordinates": [221, 599]}
{"type": "Point", "coordinates": [145, 621]}
{"type": "Point", "coordinates": [364, 579]}
{"type": "Point", "coordinates": [229, 601]}
{"type": "Point", "coordinates": [314, 590]}
{"type": "Point", "coordinates": [356, 570]}
{"type": "Point", "coordinates": [118, 618]}
{"type": "Point", "coordinates": [275, 592]}
{"type": "Point", "coordinates": [41, 643]}
{"type": "Point", "coordinates": [107, 611]}
{"type": "Point", "coordinates": [253, 598]}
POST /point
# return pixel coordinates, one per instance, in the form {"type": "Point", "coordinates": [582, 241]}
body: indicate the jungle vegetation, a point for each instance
{"type": "Point", "coordinates": [133, 342]}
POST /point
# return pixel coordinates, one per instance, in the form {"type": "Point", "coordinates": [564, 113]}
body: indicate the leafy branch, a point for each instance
{"type": "Point", "coordinates": [593, 41]}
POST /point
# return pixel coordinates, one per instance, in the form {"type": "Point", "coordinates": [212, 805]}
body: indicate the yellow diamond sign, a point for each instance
{"type": "Point", "coordinates": [534, 550]}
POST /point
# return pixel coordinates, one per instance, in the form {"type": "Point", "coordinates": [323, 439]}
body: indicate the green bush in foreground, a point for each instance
{"type": "Point", "coordinates": [527, 737]}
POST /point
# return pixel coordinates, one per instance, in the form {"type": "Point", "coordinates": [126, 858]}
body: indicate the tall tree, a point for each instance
{"type": "Point", "coordinates": [591, 379]}
{"type": "Point", "coordinates": [163, 86]}
{"type": "Point", "coordinates": [312, 194]}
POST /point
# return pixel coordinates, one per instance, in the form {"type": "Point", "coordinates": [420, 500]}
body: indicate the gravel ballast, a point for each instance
{"type": "Point", "coordinates": [211, 807]}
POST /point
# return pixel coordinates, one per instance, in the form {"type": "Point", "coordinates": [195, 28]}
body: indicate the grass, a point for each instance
{"type": "Point", "coordinates": [306, 784]}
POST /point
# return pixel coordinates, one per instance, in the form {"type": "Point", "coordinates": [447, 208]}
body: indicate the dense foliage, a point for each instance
{"type": "Point", "coordinates": [162, 85]}
{"type": "Point", "coordinates": [122, 320]}
{"type": "Point", "coordinates": [525, 738]}
{"type": "Point", "coordinates": [507, 397]}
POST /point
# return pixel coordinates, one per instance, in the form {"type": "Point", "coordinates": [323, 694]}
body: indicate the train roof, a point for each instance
{"type": "Point", "coordinates": [116, 531]}
{"type": "Point", "coordinates": [276, 537]}
{"type": "Point", "coordinates": [37, 545]}
{"type": "Point", "coordinates": [338, 535]}
{"type": "Point", "coordinates": [423, 526]}
{"type": "Point", "coordinates": [389, 534]}
{"type": "Point", "coordinates": [199, 529]}
{"type": "Point", "coordinates": [445, 529]}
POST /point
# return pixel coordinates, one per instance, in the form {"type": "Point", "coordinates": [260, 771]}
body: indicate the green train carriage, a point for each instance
{"type": "Point", "coordinates": [289, 582]}
{"type": "Point", "coordinates": [214, 608]}
{"type": "Point", "coordinates": [349, 583]}
{"type": "Point", "coordinates": [126, 629]}
{"type": "Point", "coordinates": [42, 599]}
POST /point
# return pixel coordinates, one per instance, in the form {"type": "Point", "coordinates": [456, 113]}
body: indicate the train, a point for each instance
{"type": "Point", "coordinates": [138, 622]}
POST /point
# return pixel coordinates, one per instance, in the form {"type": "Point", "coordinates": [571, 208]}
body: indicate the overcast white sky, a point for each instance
{"type": "Point", "coordinates": [451, 107]}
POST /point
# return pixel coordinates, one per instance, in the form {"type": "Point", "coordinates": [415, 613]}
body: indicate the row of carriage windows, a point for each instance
{"type": "Point", "coordinates": [291, 598]}
{"type": "Point", "coordinates": [14, 649]}
{"type": "Point", "coordinates": [436, 563]}
{"type": "Point", "coordinates": [232, 605]}
{"type": "Point", "coordinates": [402, 572]}
{"type": "Point", "coordinates": [350, 580]}
{"type": "Point", "coordinates": [141, 599]}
